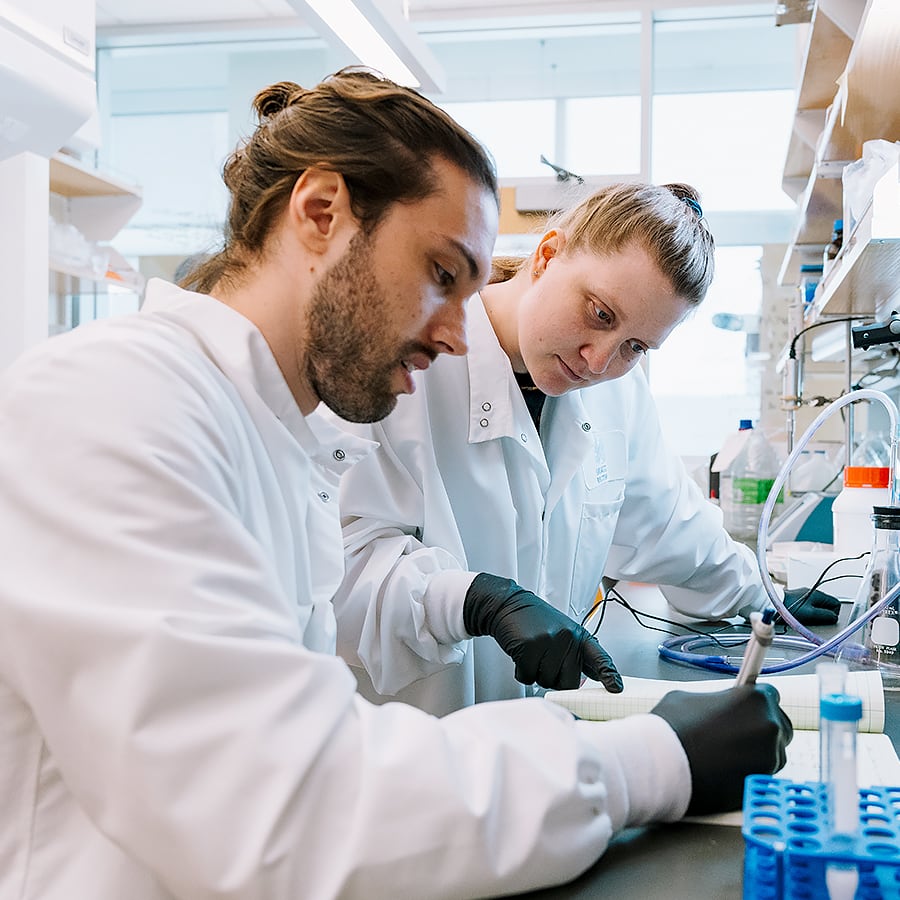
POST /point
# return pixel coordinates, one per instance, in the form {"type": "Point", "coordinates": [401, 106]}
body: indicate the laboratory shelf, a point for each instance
{"type": "Point", "coordinates": [97, 205]}
{"type": "Point", "coordinates": [826, 55]}
{"type": "Point", "coordinates": [864, 279]}
{"type": "Point", "coordinates": [865, 276]}
{"type": "Point", "coordinates": [117, 274]}
{"type": "Point", "coordinates": [846, 96]}
{"type": "Point", "coordinates": [73, 178]}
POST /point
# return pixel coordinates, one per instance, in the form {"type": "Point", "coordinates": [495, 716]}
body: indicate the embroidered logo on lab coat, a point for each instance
{"type": "Point", "coordinates": [606, 464]}
{"type": "Point", "coordinates": [600, 460]}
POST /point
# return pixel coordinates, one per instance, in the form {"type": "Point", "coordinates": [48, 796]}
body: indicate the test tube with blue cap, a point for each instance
{"type": "Point", "coordinates": [839, 716]}
{"type": "Point", "coordinates": [832, 678]}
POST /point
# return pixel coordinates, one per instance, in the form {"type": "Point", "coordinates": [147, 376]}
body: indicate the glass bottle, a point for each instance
{"type": "Point", "coordinates": [833, 248]}
{"type": "Point", "coordinates": [881, 635]}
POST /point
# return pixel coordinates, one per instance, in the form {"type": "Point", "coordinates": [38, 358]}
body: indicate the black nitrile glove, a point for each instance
{"type": "Point", "coordinates": [727, 735]}
{"type": "Point", "coordinates": [811, 607]}
{"type": "Point", "coordinates": [548, 647]}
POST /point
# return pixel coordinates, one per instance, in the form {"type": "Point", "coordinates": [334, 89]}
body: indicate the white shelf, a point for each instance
{"type": "Point", "coordinates": [98, 205]}
{"type": "Point", "coordinates": [838, 94]}
{"type": "Point", "coordinates": [118, 274]}
{"type": "Point", "coordinates": [865, 277]}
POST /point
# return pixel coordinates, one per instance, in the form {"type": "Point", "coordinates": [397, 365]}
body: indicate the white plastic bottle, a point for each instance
{"type": "Point", "coordinates": [748, 481]}
{"type": "Point", "coordinates": [728, 452]}
{"type": "Point", "coordinates": [865, 487]}
{"type": "Point", "coordinates": [812, 472]}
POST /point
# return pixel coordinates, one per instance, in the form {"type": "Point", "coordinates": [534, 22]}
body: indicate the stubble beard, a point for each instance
{"type": "Point", "coordinates": [351, 356]}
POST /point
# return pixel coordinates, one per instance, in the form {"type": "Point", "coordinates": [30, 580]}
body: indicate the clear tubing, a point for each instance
{"type": "Point", "coordinates": [766, 515]}
{"type": "Point", "coordinates": [680, 648]}
{"type": "Point", "coordinates": [895, 468]}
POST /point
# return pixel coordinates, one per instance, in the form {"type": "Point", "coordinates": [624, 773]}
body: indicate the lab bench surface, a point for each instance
{"type": "Point", "coordinates": [685, 860]}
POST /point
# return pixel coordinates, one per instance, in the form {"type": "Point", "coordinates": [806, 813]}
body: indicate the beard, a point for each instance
{"type": "Point", "coordinates": [351, 354]}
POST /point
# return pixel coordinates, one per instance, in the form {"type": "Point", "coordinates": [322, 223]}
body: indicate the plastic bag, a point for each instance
{"type": "Point", "coordinates": [859, 178]}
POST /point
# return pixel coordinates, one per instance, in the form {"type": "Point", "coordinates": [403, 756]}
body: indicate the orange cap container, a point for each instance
{"type": "Point", "coordinates": [867, 476]}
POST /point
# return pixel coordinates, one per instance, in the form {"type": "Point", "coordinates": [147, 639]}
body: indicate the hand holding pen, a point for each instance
{"type": "Point", "coordinates": [761, 635]}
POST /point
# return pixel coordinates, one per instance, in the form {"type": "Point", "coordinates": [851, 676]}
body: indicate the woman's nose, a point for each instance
{"type": "Point", "coordinates": [597, 355]}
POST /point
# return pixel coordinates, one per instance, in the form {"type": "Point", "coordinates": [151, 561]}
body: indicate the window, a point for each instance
{"type": "Point", "coordinates": [517, 132]}
{"type": "Point", "coordinates": [178, 160]}
{"type": "Point", "coordinates": [729, 145]}
{"type": "Point", "coordinates": [701, 373]}
{"type": "Point", "coordinates": [603, 135]}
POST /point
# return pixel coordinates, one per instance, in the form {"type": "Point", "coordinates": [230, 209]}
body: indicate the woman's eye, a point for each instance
{"type": "Point", "coordinates": [444, 278]}
{"type": "Point", "coordinates": [602, 315]}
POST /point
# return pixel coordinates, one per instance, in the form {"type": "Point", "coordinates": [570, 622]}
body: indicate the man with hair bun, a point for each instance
{"type": "Point", "coordinates": [174, 722]}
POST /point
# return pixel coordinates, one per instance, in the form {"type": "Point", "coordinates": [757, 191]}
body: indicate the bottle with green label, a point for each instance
{"type": "Point", "coordinates": [748, 481]}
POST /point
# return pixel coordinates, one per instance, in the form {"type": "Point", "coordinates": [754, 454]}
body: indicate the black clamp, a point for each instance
{"type": "Point", "coordinates": [865, 336]}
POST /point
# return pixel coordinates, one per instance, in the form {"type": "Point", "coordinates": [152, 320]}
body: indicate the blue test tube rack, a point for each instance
{"type": "Point", "coordinates": [787, 846]}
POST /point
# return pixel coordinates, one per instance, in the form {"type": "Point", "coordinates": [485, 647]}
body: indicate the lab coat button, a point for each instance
{"type": "Point", "coordinates": [486, 406]}
{"type": "Point", "coordinates": [324, 496]}
{"type": "Point", "coordinates": [585, 426]}
{"type": "Point", "coordinates": [339, 454]}
{"type": "Point", "coordinates": [484, 423]}
{"type": "Point", "coordinates": [588, 773]}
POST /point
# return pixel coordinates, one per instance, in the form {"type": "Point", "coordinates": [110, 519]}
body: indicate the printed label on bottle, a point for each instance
{"type": "Point", "coordinates": [753, 490]}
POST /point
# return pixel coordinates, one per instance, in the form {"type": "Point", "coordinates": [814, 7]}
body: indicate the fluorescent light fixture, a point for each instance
{"type": "Point", "coordinates": [378, 37]}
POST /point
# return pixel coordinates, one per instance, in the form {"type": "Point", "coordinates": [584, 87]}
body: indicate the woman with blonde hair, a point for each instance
{"type": "Point", "coordinates": [518, 476]}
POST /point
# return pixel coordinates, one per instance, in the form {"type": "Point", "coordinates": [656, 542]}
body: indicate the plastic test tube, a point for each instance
{"type": "Point", "coordinates": [839, 716]}
{"type": "Point", "coordinates": [832, 678]}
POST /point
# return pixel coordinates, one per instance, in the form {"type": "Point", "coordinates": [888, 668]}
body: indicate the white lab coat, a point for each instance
{"type": "Point", "coordinates": [462, 484]}
{"type": "Point", "coordinates": [172, 721]}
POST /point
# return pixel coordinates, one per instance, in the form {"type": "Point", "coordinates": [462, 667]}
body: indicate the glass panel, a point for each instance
{"type": "Point", "coordinates": [178, 161]}
{"type": "Point", "coordinates": [516, 132]}
{"type": "Point", "coordinates": [700, 374]}
{"type": "Point", "coordinates": [730, 146]}
{"type": "Point", "coordinates": [723, 101]}
{"type": "Point", "coordinates": [603, 135]}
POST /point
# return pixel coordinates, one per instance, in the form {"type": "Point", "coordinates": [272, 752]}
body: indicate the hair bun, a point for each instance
{"type": "Point", "coordinates": [277, 97]}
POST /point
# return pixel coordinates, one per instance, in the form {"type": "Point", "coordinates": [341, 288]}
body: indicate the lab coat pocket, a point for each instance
{"type": "Point", "coordinates": [604, 467]}
{"type": "Point", "coordinates": [604, 481]}
{"type": "Point", "coordinates": [595, 534]}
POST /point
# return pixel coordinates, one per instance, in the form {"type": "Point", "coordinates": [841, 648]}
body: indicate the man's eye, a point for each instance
{"type": "Point", "coordinates": [444, 278]}
{"type": "Point", "coordinates": [602, 314]}
{"type": "Point", "coordinates": [637, 349]}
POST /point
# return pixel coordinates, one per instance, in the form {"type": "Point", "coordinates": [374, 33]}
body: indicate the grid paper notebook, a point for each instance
{"type": "Point", "coordinates": [877, 761]}
{"type": "Point", "coordinates": [799, 697]}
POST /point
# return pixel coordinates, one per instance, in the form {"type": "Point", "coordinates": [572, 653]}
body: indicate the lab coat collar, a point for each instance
{"type": "Point", "coordinates": [494, 396]}
{"type": "Point", "coordinates": [568, 440]}
{"type": "Point", "coordinates": [236, 346]}
{"type": "Point", "coordinates": [496, 409]}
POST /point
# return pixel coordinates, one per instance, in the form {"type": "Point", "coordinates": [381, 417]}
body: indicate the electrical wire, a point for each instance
{"type": "Point", "coordinates": [614, 596]}
{"type": "Point", "coordinates": [683, 649]}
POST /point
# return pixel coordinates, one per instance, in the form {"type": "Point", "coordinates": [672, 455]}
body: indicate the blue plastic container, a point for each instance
{"type": "Point", "coordinates": [787, 845]}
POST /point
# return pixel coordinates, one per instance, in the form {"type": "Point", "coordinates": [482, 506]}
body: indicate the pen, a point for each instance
{"type": "Point", "coordinates": [759, 641]}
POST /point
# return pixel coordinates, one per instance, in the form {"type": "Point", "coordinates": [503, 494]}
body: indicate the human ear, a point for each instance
{"type": "Point", "coordinates": [319, 208]}
{"type": "Point", "coordinates": [550, 246]}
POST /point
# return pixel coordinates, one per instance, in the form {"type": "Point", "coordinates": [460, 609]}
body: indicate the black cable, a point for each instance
{"type": "Point", "coordinates": [822, 580]}
{"type": "Point", "coordinates": [792, 352]}
{"type": "Point", "coordinates": [616, 597]}
{"type": "Point", "coordinates": [879, 374]}
{"type": "Point", "coordinates": [613, 595]}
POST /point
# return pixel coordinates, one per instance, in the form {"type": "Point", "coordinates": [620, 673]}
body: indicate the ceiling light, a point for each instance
{"type": "Point", "coordinates": [378, 37]}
